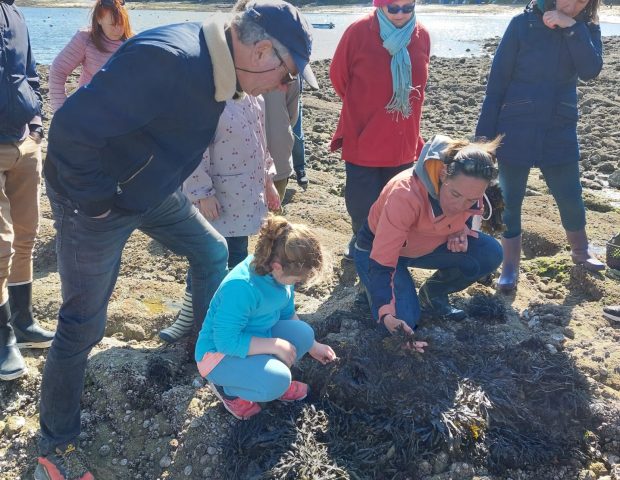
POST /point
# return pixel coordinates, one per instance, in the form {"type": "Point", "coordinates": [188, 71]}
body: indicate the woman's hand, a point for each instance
{"type": "Point", "coordinates": [273, 199]}
{"type": "Point", "coordinates": [323, 353]}
{"type": "Point", "coordinates": [210, 207]}
{"type": "Point", "coordinates": [457, 242]}
{"type": "Point", "coordinates": [554, 19]}
{"type": "Point", "coordinates": [393, 324]}
{"type": "Point", "coordinates": [285, 351]}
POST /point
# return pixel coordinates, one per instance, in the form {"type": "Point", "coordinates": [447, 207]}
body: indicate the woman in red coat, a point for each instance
{"type": "Point", "coordinates": [379, 70]}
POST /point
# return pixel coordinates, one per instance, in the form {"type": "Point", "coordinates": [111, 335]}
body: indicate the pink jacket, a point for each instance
{"type": "Point", "coordinates": [79, 51]}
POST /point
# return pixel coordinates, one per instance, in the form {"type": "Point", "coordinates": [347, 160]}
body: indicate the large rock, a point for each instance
{"type": "Point", "coordinates": [614, 179]}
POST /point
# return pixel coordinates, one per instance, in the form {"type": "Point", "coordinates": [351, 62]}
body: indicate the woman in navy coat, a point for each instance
{"type": "Point", "coordinates": [531, 98]}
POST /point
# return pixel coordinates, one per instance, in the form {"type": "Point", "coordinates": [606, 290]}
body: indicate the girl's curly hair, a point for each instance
{"type": "Point", "coordinates": [293, 245]}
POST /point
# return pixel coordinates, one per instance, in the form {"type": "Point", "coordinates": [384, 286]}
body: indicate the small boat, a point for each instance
{"type": "Point", "coordinates": [324, 25]}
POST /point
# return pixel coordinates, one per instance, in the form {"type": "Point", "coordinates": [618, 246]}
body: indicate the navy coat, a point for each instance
{"type": "Point", "coordinates": [20, 98]}
{"type": "Point", "coordinates": [132, 136]}
{"type": "Point", "coordinates": [531, 94]}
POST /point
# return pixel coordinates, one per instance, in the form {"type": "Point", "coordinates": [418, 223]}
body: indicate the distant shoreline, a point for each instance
{"type": "Point", "coordinates": [605, 11]}
{"type": "Point", "coordinates": [210, 7]}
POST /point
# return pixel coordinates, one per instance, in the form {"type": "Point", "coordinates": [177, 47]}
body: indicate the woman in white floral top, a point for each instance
{"type": "Point", "coordinates": [232, 188]}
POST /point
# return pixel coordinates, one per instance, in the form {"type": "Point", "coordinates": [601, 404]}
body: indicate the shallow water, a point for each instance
{"type": "Point", "coordinates": [453, 35]}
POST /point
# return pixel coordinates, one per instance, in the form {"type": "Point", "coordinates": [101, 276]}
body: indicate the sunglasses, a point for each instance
{"type": "Point", "coordinates": [406, 9]}
{"type": "Point", "coordinates": [112, 3]}
{"type": "Point", "coordinates": [473, 168]}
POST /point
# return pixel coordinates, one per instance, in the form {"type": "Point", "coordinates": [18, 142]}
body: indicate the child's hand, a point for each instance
{"type": "Point", "coordinates": [285, 351]}
{"type": "Point", "coordinates": [210, 207]}
{"type": "Point", "coordinates": [323, 353]}
{"type": "Point", "coordinates": [273, 199]}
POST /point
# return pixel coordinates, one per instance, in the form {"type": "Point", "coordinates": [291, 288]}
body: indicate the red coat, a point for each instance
{"type": "Point", "coordinates": [360, 73]}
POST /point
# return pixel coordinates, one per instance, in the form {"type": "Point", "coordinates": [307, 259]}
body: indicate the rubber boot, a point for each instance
{"type": "Point", "coordinates": [348, 252]}
{"type": "Point", "coordinates": [579, 251]}
{"type": "Point", "coordinates": [510, 266]}
{"type": "Point", "coordinates": [12, 363]}
{"type": "Point", "coordinates": [28, 332]}
{"type": "Point", "coordinates": [433, 294]}
{"type": "Point", "coordinates": [184, 323]}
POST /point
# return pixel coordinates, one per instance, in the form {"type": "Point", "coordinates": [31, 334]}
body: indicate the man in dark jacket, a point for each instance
{"type": "Point", "coordinates": [20, 187]}
{"type": "Point", "coordinates": [118, 151]}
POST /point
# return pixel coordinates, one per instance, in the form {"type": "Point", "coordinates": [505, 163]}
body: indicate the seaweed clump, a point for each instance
{"type": "Point", "coordinates": [380, 413]}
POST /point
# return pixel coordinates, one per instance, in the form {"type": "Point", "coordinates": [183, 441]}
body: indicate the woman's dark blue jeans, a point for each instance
{"type": "Point", "coordinates": [483, 256]}
{"type": "Point", "coordinates": [564, 184]}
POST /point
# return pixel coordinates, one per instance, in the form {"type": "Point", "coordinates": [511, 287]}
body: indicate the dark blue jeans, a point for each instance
{"type": "Point", "coordinates": [299, 154]}
{"type": "Point", "coordinates": [483, 256]}
{"type": "Point", "coordinates": [564, 184]}
{"type": "Point", "coordinates": [237, 253]}
{"type": "Point", "coordinates": [89, 255]}
{"type": "Point", "coordinates": [362, 188]}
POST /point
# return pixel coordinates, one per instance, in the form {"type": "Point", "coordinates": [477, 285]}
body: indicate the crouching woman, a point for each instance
{"type": "Point", "coordinates": [422, 219]}
{"type": "Point", "coordinates": [251, 335]}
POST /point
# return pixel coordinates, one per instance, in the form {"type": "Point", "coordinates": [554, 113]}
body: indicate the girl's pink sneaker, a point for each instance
{"type": "Point", "coordinates": [238, 407]}
{"type": "Point", "coordinates": [296, 391]}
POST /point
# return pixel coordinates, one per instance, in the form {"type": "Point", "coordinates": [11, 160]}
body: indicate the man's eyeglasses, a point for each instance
{"type": "Point", "coordinates": [289, 77]}
{"type": "Point", "coordinates": [406, 9]}
{"type": "Point", "coordinates": [286, 79]}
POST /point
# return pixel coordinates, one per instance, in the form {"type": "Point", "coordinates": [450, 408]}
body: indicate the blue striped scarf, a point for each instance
{"type": "Point", "coordinates": [395, 41]}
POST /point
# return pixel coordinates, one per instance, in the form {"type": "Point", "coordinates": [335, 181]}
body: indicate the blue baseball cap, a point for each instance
{"type": "Point", "coordinates": [284, 22]}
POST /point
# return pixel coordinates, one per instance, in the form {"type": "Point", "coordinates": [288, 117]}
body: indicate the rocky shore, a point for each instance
{"type": "Point", "coordinates": [528, 387]}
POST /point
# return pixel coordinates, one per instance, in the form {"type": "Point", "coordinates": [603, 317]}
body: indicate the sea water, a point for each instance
{"type": "Point", "coordinates": [453, 34]}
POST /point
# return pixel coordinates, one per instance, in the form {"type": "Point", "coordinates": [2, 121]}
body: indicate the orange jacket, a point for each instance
{"type": "Point", "coordinates": [404, 221]}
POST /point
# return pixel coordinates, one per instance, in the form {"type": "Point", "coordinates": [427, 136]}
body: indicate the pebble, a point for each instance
{"type": "Point", "coordinates": [165, 461]}
{"type": "Point", "coordinates": [425, 468]}
{"type": "Point", "coordinates": [598, 468]}
{"type": "Point", "coordinates": [123, 462]}
{"type": "Point", "coordinates": [533, 322]}
{"type": "Point", "coordinates": [14, 424]}
{"type": "Point", "coordinates": [440, 464]}
{"type": "Point", "coordinates": [211, 450]}
{"type": "Point", "coordinates": [187, 471]}
{"type": "Point", "coordinates": [551, 348]}
{"type": "Point", "coordinates": [569, 333]}
{"type": "Point", "coordinates": [104, 451]}
{"type": "Point", "coordinates": [204, 459]}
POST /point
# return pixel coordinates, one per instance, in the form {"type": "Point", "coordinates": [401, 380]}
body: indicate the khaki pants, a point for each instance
{"type": "Point", "coordinates": [20, 190]}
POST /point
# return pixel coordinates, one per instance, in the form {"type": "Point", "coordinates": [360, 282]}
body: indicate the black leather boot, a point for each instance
{"type": "Point", "coordinates": [433, 294]}
{"type": "Point", "coordinates": [12, 363]}
{"type": "Point", "coordinates": [28, 332]}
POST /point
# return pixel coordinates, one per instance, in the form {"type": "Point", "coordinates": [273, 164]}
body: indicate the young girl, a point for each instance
{"type": "Point", "coordinates": [251, 335]}
{"type": "Point", "coordinates": [232, 188]}
{"type": "Point", "coordinates": [90, 48]}
{"type": "Point", "coordinates": [531, 98]}
{"type": "Point", "coordinates": [422, 219]}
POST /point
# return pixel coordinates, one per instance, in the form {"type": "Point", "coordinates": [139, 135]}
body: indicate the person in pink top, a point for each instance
{"type": "Point", "coordinates": [90, 48]}
{"type": "Point", "coordinates": [422, 219]}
